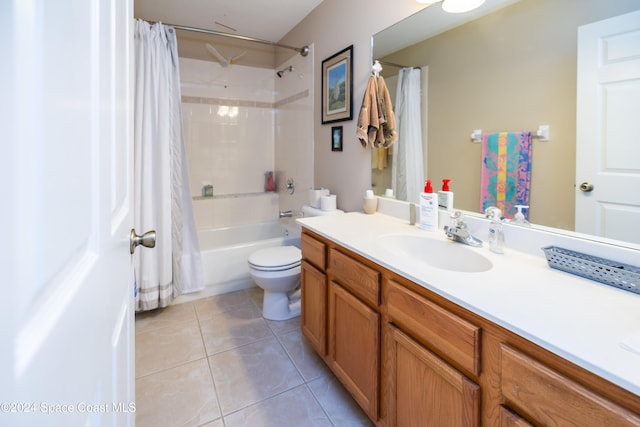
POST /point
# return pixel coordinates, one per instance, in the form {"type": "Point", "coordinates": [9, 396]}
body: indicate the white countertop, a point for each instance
{"type": "Point", "coordinates": [593, 325]}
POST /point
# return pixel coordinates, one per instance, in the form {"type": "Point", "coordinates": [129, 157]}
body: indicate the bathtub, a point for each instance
{"type": "Point", "coordinates": [225, 252]}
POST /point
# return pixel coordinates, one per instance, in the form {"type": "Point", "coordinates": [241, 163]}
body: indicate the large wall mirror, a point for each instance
{"type": "Point", "coordinates": [511, 67]}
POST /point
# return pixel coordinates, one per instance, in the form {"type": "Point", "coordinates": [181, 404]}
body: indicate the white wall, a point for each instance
{"type": "Point", "coordinates": [294, 130]}
{"type": "Point", "coordinates": [228, 116]}
{"type": "Point", "coordinates": [331, 27]}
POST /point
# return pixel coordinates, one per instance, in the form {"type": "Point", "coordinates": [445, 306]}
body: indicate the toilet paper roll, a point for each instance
{"type": "Point", "coordinates": [328, 203]}
{"type": "Point", "coordinates": [314, 196]}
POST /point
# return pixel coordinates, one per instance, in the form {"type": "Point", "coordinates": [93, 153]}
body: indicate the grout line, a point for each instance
{"type": "Point", "coordinates": [206, 355]}
{"type": "Point", "coordinates": [303, 384]}
{"type": "Point", "coordinates": [278, 339]}
{"type": "Point", "coordinates": [171, 367]}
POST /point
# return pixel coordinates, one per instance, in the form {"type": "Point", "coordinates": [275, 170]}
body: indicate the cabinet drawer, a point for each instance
{"type": "Point", "coordinates": [454, 337]}
{"type": "Point", "coordinates": [314, 251]}
{"type": "Point", "coordinates": [358, 278]}
{"type": "Point", "coordinates": [509, 419]}
{"type": "Point", "coordinates": [552, 399]}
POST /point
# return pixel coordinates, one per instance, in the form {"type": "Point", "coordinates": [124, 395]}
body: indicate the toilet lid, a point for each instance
{"type": "Point", "coordinates": [278, 258]}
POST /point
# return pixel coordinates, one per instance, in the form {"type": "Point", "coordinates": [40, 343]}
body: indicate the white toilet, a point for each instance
{"type": "Point", "coordinates": [277, 271]}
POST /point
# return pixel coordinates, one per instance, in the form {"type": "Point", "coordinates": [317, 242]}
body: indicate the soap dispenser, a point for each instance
{"type": "Point", "coordinates": [496, 234]}
{"type": "Point", "coordinates": [518, 218]}
{"type": "Point", "coordinates": [428, 208]}
{"type": "Point", "coordinates": [445, 196]}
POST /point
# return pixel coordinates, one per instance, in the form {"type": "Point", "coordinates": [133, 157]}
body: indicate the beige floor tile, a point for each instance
{"type": "Point", "coordinates": [167, 347]}
{"type": "Point", "coordinates": [224, 331]}
{"type": "Point", "coordinates": [256, 293]}
{"type": "Point", "coordinates": [294, 408]}
{"type": "Point", "coordinates": [338, 403]}
{"type": "Point", "coordinates": [283, 326]}
{"type": "Point", "coordinates": [181, 396]}
{"type": "Point", "coordinates": [211, 306]}
{"type": "Point", "coordinates": [303, 356]}
{"type": "Point", "coordinates": [249, 374]}
{"type": "Point", "coordinates": [161, 317]}
{"type": "Point", "coordinates": [216, 423]}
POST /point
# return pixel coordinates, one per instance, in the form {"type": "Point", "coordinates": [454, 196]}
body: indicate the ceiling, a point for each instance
{"type": "Point", "coordinates": [427, 23]}
{"type": "Point", "coordinates": [265, 19]}
{"type": "Point", "coordinates": [271, 20]}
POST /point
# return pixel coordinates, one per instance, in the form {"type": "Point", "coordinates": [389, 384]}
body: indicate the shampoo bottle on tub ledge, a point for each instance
{"type": "Point", "coordinates": [428, 208]}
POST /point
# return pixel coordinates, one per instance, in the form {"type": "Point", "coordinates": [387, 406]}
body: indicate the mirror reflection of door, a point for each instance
{"type": "Point", "coordinates": [607, 121]}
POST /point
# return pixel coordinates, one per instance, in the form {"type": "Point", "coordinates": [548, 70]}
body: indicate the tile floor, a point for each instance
{"type": "Point", "coordinates": [217, 362]}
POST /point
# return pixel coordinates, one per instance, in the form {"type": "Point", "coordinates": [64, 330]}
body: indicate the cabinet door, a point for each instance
{"type": "Point", "coordinates": [354, 346]}
{"type": "Point", "coordinates": [424, 390]}
{"type": "Point", "coordinates": [314, 307]}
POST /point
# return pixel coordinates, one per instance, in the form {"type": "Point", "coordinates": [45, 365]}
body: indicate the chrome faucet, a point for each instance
{"type": "Point", "coordinates": [285, 214]}
{"type": "Point", "coordinates": [458, 231]}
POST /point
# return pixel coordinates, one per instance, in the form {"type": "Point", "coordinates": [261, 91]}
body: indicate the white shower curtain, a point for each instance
{"type": "Point", "coordinates": [161, 184]}
{"type": "Point", "coordinates": [407, 166]}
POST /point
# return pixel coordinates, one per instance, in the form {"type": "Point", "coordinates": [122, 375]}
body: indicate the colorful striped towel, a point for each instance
{"type": "Point", "coordinates": [506, 171]}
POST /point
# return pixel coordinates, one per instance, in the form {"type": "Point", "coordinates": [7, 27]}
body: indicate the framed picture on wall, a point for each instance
{"type": "Point", "coordinates": [337, 87]}
{"type": "Point", "coordinates": [336, 138]}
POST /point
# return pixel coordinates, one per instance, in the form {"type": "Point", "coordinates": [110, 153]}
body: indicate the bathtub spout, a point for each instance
{"type": "Point", "coordinates": [286, 214]}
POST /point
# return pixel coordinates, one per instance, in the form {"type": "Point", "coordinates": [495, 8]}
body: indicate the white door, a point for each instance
{"type": "Point", "coordinates": [66, 325]}
{"type": "Point", "coordinates": [608, 129]}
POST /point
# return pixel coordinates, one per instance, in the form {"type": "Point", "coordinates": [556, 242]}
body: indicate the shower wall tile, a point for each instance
{"type": "Point", "coordinates": [229, 119]}
{"type": "Point", "coordinates": [240, 122]}
{"type": "Point", "coordinates": [294, 130]}
{"type": "Point", "coordinates": [209, 79]}
{"type": "Point", "coordinates": [224, 212]}
{"type": "Point", "coordinates": [230, 153]}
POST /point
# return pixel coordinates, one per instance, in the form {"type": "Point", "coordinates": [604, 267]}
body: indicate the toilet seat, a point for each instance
{"type": "Point", "coordinates": [275, 259]}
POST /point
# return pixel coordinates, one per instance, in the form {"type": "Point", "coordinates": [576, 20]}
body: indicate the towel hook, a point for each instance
{"type": "Point", "coordinates": [376, 68]}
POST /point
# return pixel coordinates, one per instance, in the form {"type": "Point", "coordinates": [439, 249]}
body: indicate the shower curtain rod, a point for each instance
{"type": "Point", "coordinates": [304, 50]}
{"type": "Point", "coordinates": [395, 65]}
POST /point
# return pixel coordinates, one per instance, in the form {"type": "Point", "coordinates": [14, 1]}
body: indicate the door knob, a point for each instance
{"type": "Point", "coordinates": [148, 240]}
{"type": "Point", "coordinates": [586, 187]}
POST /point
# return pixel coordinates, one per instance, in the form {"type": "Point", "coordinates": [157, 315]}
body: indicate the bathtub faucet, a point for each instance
{"type": "Point", "coordinates": [285, 214]}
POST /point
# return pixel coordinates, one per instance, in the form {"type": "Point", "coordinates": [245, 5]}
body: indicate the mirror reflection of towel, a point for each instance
{"type": "Point", "coordinates": [506, 171]}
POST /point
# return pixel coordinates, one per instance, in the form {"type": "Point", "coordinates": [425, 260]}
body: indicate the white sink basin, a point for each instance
{"type": "Point", "coordinates": [443, 254]}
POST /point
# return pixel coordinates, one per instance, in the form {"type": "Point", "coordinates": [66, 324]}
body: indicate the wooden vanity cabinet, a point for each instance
{"type": "Point", "coordinates": [313, 316]}
{"type": "Point", "coordinates": [411, 357]}
{"type": "Point", "coordinates": [354, 327]}
{"type": "Point", "coordinates": [424, 390]}
{"type": "Point", "coordinates": [550, 398]}
{"type": "Point", "coordinates": [340, 318]}
{"type": "Point", "coordinates": [354, 346]}
{"type": "Point", "coordinates": [509, 419]}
